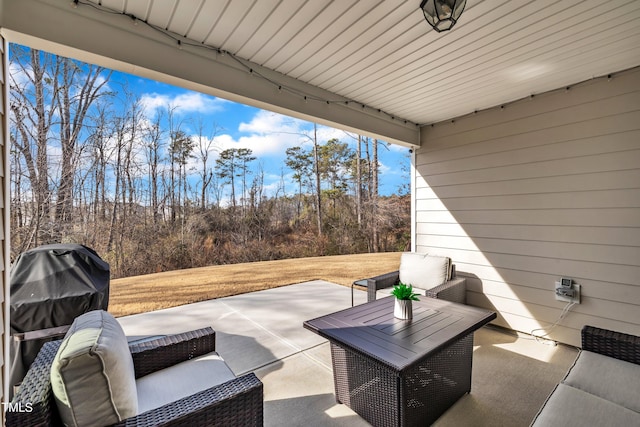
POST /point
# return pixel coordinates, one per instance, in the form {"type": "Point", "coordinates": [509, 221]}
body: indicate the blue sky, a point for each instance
{"type": "Point", "coordinates": [266, 133]}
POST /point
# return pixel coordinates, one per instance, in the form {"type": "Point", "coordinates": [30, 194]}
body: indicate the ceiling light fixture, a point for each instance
{"type": "Point", "coordinates": [442, 15]}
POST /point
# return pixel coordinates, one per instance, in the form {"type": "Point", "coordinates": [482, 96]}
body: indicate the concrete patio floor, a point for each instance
{"type": "Point", "coordinates": [262, 332]}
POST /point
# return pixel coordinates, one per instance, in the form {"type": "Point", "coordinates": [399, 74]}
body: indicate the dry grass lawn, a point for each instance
{"type": "Point", "coordinates": [150, 292]}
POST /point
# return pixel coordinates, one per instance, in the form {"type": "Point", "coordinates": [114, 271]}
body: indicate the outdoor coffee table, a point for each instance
{"type": "Point", "coordinates": [401, 372]}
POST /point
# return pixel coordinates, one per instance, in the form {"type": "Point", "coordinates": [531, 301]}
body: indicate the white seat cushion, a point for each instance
{"type": "Point", "coordinates": [424, 271]}
{"type": "Point", "coordinates": [606, 377]}
{"type": "Point", "coordinates": [569, 406]}
{"type": "Point", "coordinates": [181, 380]}
{"type": "Point", "coordinates": [92, 375]}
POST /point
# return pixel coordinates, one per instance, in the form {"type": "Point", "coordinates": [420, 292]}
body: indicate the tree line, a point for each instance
{"type": "Point", "coordinates": [90, 165]}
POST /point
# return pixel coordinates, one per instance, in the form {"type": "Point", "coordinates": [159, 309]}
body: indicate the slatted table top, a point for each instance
{"type": "Point", "coordinates": [371, 329]}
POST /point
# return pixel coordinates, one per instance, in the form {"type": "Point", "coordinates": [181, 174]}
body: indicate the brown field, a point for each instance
{"type": "Point", "coordinates": [150, 292]}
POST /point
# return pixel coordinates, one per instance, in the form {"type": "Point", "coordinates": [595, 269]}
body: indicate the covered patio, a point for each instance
{"type": "Point", "coordinates": [523, 122]}
{"type": "Point", "coordinates": [262, 332]}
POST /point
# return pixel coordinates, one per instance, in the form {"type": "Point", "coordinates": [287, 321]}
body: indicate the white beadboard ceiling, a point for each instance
{"type": "Point", "coordinates": [383, 54]}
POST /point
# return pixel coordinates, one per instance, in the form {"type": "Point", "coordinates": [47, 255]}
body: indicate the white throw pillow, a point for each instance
{"type": "Point", "coordinates": [449, 266]}
{"type": "Point", "coordinates": [92, 375]}
{"type": "Point", "coordinates": [423, 271]}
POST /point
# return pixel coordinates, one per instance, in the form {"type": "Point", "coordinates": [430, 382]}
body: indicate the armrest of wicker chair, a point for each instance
{"type": "Point", "coordinates": [160, 353]}
{"type": "Point", "coordinates": [238, 402]}
{"type": "Point", "coordinates": [33, 404]}
{"type": "Point", "coordinates": [610, 343]}
{"type": "Point", "coordinates": [454, 290]}
{"type": "Point", "coordinates": [382, 281]}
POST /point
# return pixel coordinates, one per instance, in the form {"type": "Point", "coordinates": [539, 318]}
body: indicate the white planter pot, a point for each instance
{"type": "Point", "coordinates": [403, 309]}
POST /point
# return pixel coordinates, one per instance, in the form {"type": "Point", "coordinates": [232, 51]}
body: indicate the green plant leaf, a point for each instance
{"type": "Point", "coordinates": [404, 292]}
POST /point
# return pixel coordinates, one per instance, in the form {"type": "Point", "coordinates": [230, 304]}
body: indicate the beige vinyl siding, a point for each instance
{"type": "Point", "coordinates": [545, 187]}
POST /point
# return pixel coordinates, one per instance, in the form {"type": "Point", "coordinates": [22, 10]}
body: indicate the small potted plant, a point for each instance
{"type": "Point", "coordinates": [404, 294]}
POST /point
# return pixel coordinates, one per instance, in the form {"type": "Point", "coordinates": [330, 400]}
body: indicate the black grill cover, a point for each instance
{"type": "Point", "coordinates": [50, 286]}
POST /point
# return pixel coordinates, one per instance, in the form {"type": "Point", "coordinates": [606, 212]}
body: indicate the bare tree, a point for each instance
{"type": "Point", "coordinates": [206, 144]}
{"type": "Point", "coordinates": [32, 121]}
{"type": "Point", "coordinates": [359, 181]}
{"type": "Point", "coordinates": [133, 119]}
{"type": "Point", "coordinates": [374, 198]}
{"type": "Point", "coordinates": [316, 165]}
{"type": "Point", "coordinates": [120, 136]}
{"type": "Point", "coordinates": [101, 155]}
{"type": "Point", "coordinates": [153, 146]}
{"type": "Point", "coordinates": [50, 98]}
{"type": "Point", "coordinates": [80, 86]}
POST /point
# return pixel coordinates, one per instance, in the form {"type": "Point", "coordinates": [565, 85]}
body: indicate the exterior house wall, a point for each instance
{"type": "Point", "coordinates": [4, 185]}
{"type": "Point", "coordinates": [538, 189]}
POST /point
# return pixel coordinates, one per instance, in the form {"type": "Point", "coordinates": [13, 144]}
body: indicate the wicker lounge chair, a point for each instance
{"type": "Point", "coordinates": [448, 287]}
{"type": "Point", "coordinates": [602, 386]}
{"type": "Point", "coordinates": [238, 402]}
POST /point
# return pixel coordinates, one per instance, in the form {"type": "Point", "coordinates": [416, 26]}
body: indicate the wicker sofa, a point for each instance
{"type": "Point", "coordinates": [237, 402]}
{"type": "Point", "coordinates": [431, 276]}
{"type": "Point", "coordinates": [602, 388]}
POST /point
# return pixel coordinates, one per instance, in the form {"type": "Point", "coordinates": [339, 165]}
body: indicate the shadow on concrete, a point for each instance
{"type": "Point", "coordinates": [309, 411]}
{"type": "Point", "coordinates": [245, 354]}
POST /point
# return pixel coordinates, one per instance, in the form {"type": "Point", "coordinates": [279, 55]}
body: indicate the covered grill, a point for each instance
{"type": "Point", "coordinates": [50, 286]}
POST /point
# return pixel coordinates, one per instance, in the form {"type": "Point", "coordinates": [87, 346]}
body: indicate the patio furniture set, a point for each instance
{"type": "Point", "coordinates": [602, 388]}
{"type": "Point", "coordinates": [392, 372]}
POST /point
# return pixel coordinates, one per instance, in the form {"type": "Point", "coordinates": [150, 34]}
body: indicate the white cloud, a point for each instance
{"type": "Point", "coordinates": [19, 76]}
{"type": "Point", "coordinates": [266, 122]}
{"type": "Point", "coordinates": [260, 145]}
{"type": "Point", "coordinates": [383, 168]}
{"type": "Point", "coordinates": [273, 133]}
{"type": "Point", "coordinates": [266, 134]}
{"type": "Point", "coordinates": [189, 102]}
